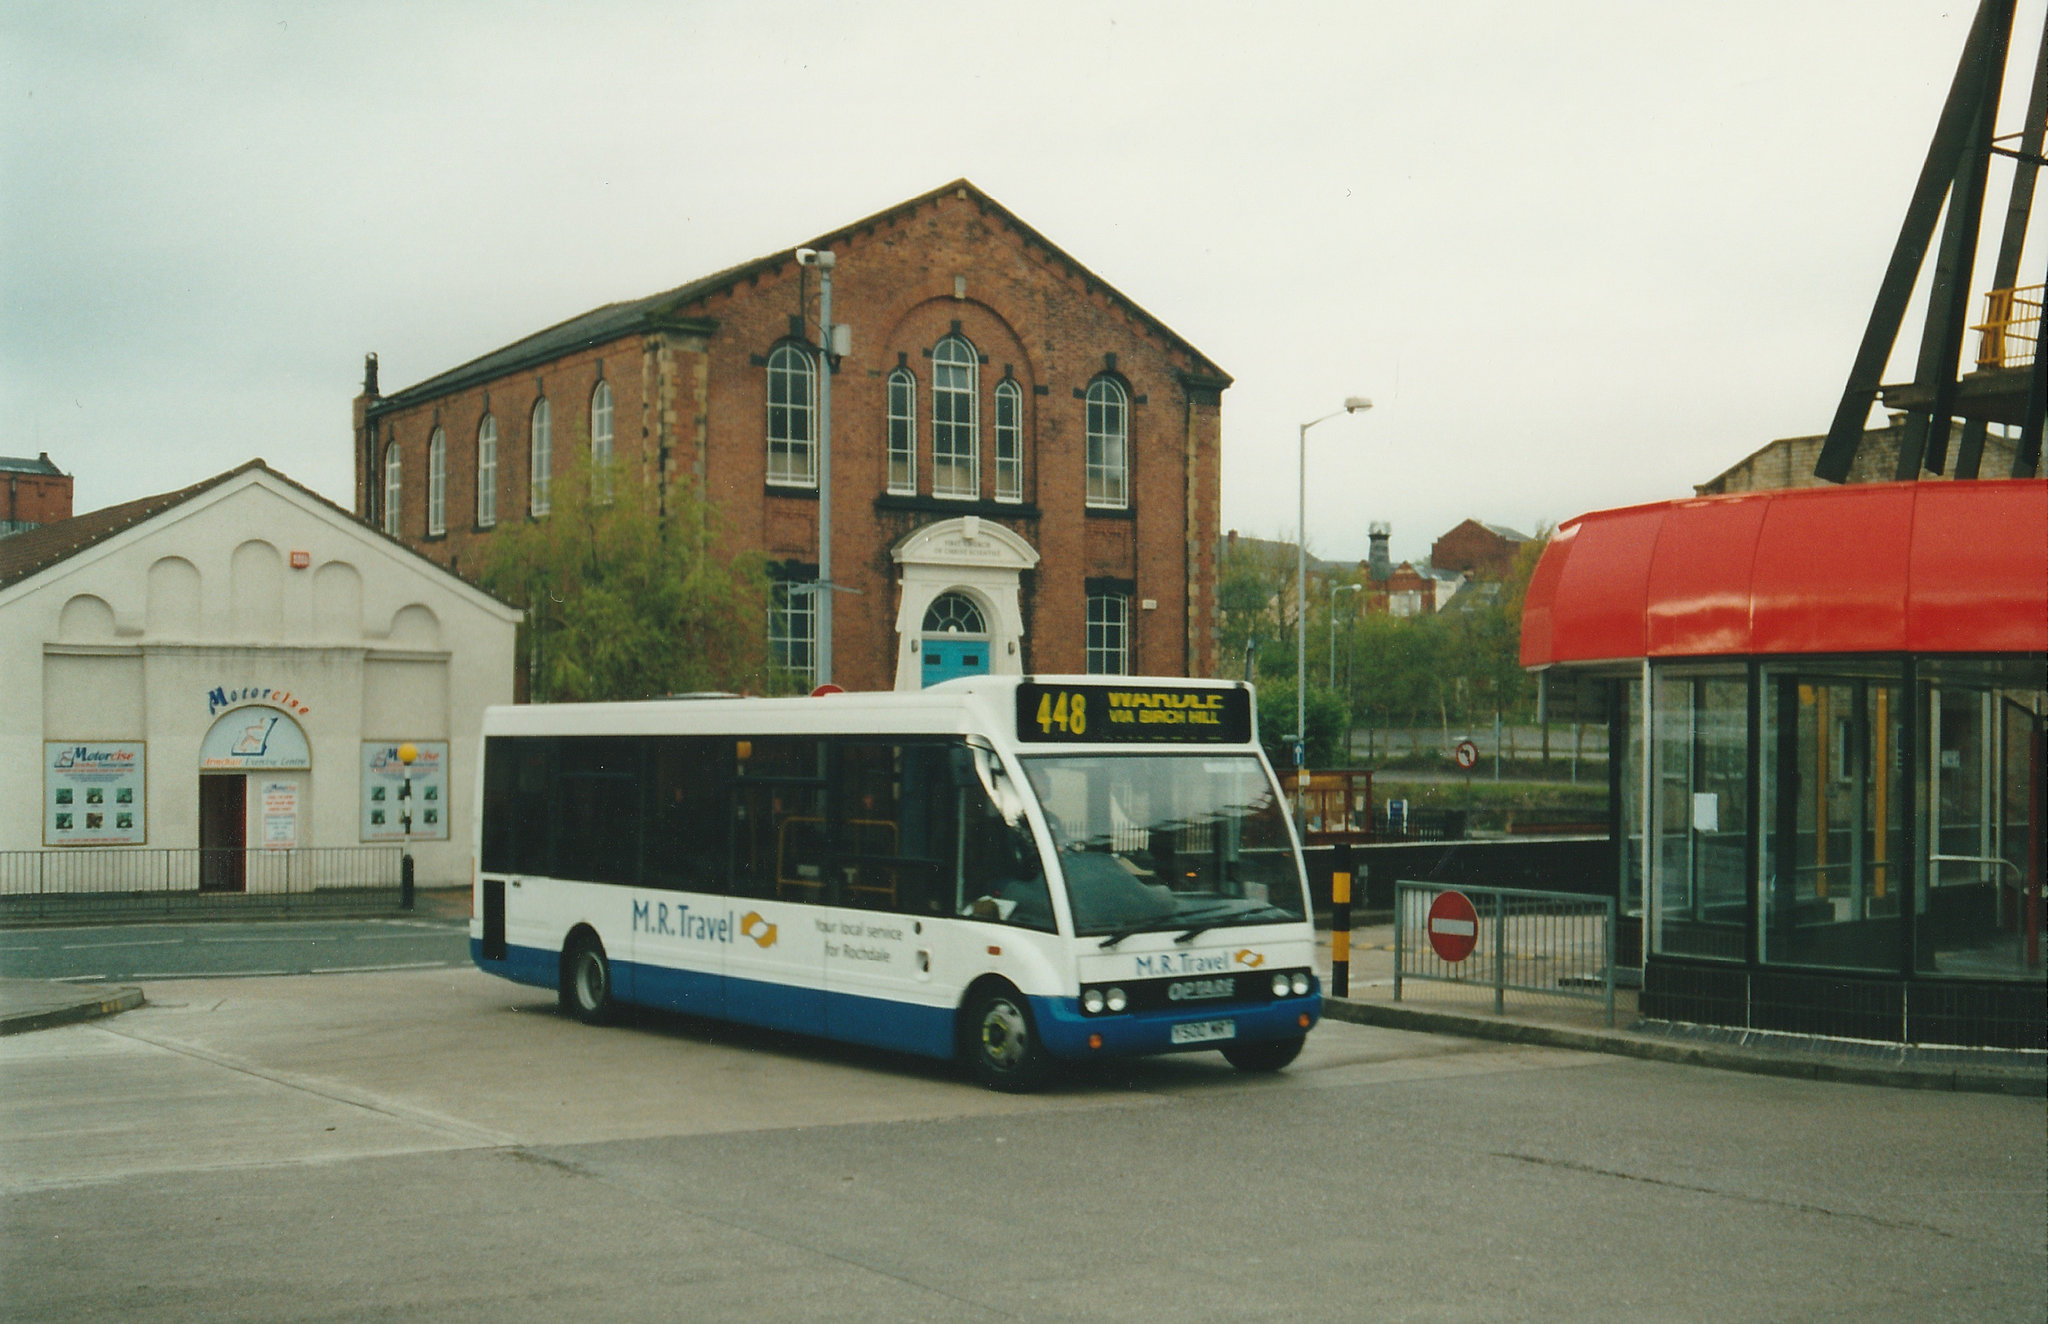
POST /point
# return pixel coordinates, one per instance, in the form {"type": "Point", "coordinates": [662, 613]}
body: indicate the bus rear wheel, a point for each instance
{"type": "Point", "coordinates": [1263, 1054]}
{"type": "Point", "coordinates": [587, 982]}
{"type": "Point", "coordinates": [1002, 1046]}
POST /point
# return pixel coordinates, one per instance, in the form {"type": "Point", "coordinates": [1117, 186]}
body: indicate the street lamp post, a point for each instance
{"type": "Point", "coordinates": [1335, 589]}
{"type": "Point", "coordinates": [833, 343]}
{"type": "Point", "coordinates": [1351, 406]}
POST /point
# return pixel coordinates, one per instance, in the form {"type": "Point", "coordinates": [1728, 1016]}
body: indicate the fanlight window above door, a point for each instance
{"type": "Point", "coordinates": [954, 613]}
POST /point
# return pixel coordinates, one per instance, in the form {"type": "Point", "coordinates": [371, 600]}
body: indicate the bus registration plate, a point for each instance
{"type": "Point", "coordinates": [1202, 1032]}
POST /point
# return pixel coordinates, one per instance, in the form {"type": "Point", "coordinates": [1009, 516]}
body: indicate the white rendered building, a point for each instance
{"type": "Point", "coordinates": [234, 665]}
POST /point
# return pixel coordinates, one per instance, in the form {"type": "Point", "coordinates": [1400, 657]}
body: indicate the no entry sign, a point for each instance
{"type": "Point", "coordinates": [1453, 926]}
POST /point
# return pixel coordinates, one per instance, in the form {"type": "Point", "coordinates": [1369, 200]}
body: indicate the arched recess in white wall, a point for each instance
{"type": "Point", "coordinates": [338, 601]}
{"type": "Point", "coordinates": [172, 604]}
{"type": "Point", "coordinates": [256, 591]}
{"type": "Point", "coordinates": [86, 619]}
{"type": "Point", "coordinates": [415, 626]}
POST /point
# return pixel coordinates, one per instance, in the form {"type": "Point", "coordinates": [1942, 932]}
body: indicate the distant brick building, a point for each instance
{"type": "Point", "coordinates": [1024, 462]}
{"type": "Point", "coordinates": [36, 493]}
{"type": "Point", "coordinates": [1481, 551]}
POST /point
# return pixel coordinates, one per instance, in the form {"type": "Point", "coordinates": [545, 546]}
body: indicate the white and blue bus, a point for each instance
{"type": "Point", "coordinates": [1007, 870]}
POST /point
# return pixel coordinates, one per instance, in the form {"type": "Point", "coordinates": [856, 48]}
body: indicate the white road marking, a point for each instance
{"type": "Point", "coordinates": [94, 946]}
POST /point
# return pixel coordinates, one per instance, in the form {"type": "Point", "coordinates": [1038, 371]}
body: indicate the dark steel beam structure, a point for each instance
{"type": "Point", "coordinates": [1954, 172]}
{"type": "Point", "coordinates": [2019, 208]}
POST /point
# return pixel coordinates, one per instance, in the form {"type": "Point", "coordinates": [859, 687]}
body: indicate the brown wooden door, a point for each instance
{"type": "Point", "coordinates": [223, 831]}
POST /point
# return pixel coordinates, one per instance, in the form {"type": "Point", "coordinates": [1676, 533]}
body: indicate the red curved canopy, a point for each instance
{"type": "Point", "coordinates": [1938, 567]}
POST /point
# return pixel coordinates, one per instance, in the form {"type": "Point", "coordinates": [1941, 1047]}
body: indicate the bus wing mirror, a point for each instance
{"type": "Point", "coordinates": [1001, 792]}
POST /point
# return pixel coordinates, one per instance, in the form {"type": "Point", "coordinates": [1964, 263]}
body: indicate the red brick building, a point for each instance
{"type": "Point", "coordinates": [1481, 551]}
{"type": "Point", "coordinates": [36, 492]}
{"type": "Point", "coordinates": [1024, 462]}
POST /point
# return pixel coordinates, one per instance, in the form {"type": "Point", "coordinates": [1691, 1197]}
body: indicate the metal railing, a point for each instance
{"type": "Point", "coordinates": [1540, 944]}
{"type": "Point", "coordinates": [141, 882]}
{"type": "Point", "coordinates": [2010, 334]}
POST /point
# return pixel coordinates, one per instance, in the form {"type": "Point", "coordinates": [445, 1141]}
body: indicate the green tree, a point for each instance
{"type": "Point", "coordinates": [1329, 724]}
{"type": "Point", "coordinates": [1254, 593]}
{"type": "Point", "coordinates": [622, 603]}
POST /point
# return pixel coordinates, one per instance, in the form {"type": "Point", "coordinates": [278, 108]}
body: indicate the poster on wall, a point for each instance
{"type": "Point", "coordinates": [384, 780]}
{"type": "Point", "coordinates": [92, 793]}
{"type": "Point", "coordinates": [280, 816]}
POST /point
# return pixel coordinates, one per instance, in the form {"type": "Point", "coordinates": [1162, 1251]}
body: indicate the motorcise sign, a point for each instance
{"type": "Point", "coordinates": [1453, 926]}
{"type": "Point", "coordinates": [92, 793]}
{"type": "Point", "coordinates": [384, 792]}
{"type": "Point", "coordinates": [1117, 714]}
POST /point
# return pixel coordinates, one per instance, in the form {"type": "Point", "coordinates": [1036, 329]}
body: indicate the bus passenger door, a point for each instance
{"type": "Point", "coordinates": [892, 977]}
{"type": "Point", "coordinates": [774, 963]}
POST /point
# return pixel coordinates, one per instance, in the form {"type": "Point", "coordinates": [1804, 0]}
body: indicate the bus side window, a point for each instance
{"type": "Point", "coordinates": [874, 853]}
{"type": "Point", "coordinates": [516, 814]}
{"type": "Point", "coordinates": [597, 803]}
{"type": "Point", "coordinates": [688, 789]}
{"type": "Point", "coordinates": [778, 820]}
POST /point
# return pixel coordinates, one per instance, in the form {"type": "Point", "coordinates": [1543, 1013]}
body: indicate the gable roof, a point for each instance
{"type": "Point", "coordinates": [668, 309]}
{"type": "Point", "coordinates": [26, 555]}
{"type": "Point", "coordinates": [40, 465]}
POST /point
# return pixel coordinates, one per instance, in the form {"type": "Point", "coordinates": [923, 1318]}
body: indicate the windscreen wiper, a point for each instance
{"type": "Point", "coordinates": [1211, 918]}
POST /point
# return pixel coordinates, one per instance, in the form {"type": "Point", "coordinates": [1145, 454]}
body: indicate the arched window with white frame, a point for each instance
{"type": "Point", "coordinates": [487, 473]}
{"type": "Point", "coordinates": [1109, 423]}
{"type": "Point", "coordinates": [601, 442]}
{"type": "Point", "coordinates": [1009, 440]}
{"type": "Point", "coordinates": [792, 417]}
{"type": "Point", "coordinates": [437, 484]}
{"type": "Point", "coordinates": [543, 457]}
{"type": "Point", "coordinates": [956, 443]}
{"type": "Point", "coordinates": [902, 433]}
{"type": "Point", "coordinates": [394, 484]}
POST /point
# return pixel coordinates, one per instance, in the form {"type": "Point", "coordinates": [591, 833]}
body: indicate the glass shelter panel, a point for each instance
{"type": "Point", "coordinates": [1835, 858]}
{"type": "Point", "coordinates": [1980, 912]}
{"type": "Point", "coordinates": [1699, 759]}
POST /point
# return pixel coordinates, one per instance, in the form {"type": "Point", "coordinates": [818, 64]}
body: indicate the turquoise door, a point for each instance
{"type": "Point", "coordinates": [947, 658]}
{"type": "Point", "coordinates": [955, 639]}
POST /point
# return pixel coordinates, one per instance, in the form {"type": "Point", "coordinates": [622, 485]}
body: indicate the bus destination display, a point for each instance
{"type": "Point", "coordinates": [1153, 714]}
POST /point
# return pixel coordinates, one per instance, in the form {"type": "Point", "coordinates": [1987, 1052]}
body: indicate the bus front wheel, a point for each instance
{"type": "Point", "coordinates": [587, 982]}
{"type": "Point", "coordinates": [1002, 1043]}
{"type": "Point", "coordinates": [1263, 1055]}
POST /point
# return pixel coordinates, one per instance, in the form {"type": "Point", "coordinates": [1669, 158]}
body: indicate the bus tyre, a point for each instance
{"type": "Point", "coordinates": [587, 982]}
{"type": "Point", "coordinates": [1263, 1054]}
{"type": "Point", "coordinates": [1002, 1044]}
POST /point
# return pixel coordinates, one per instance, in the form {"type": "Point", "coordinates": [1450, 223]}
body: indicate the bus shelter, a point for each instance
{"type": "Point", "coordinates": [1826, 710]}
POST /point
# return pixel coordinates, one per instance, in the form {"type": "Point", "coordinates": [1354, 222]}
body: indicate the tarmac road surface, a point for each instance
{"type": "Point", "coordinates": [439, 1144]}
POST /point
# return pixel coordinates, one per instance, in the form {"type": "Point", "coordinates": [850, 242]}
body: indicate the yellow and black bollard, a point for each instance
{"type": "Point", "coordinates": [1340, 919]}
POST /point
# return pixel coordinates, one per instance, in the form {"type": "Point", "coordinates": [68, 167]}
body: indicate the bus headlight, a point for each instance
{"type": "Point", "coordinates": [1301, 983]}
{"type": "Point", "coordinates": [1092, 1001]}
{"type": "Point", "coordinates": [1280, 985]}
{"type": "Point", "coordinates": [1116, 1000]}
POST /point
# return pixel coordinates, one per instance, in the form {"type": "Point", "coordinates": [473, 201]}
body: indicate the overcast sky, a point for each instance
{"type": "Point", "coordinates": [1579, 254]}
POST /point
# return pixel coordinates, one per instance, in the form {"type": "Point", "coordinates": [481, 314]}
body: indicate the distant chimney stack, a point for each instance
{"type": "Point", "coordinates": [370, 375]}
{"type": "Point", "coordinates": [1381, 563]}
